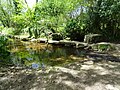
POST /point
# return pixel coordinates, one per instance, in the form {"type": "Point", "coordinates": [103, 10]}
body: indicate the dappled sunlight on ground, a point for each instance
{"type": "Point", "coordinates": [84, 76]}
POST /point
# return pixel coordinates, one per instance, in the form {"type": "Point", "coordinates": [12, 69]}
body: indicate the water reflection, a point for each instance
{"type": "Point", "coordinates": [32, 54]}
{"type": "Point", "coordinates": [35, 65]}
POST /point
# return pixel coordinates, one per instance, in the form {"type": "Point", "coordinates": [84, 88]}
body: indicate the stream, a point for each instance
{"type": "Point", "coordinates": [65, 68]}
{"type": "Point", "coordinates": [39, 54]}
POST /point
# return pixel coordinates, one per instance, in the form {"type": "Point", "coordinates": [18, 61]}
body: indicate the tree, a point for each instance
{"type": "Point", "coordinates": [76, 26]}
{"type": "Point", "coordinates": [6, 12]}
{"type": "Point", "coordinates": [11, 14]}
{"type": "Point", "coordinates": [54, 13]}
{"type": "Point", "coordinates": [104, 17]}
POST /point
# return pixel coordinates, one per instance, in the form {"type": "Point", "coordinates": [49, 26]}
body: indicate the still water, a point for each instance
{"type": "Point", "coordinates": [39, 54]}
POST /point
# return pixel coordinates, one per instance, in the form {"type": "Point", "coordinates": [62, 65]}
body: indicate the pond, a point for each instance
{"type": "Point", "coordinates": [40, 54]}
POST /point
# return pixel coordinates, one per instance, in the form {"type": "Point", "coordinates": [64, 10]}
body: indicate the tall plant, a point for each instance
{"type": "Point", "coordinates": [104, 17]}
{"type": "Point", "coordinates": [12, 14]}
{"type": "Point", "coordinates": [4, 53]}
{"type": "Point", "coordinates": [54, 13]}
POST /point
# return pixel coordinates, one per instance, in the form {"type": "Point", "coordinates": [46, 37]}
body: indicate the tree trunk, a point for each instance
{"type": "Point", "coordinates": [30, 32]}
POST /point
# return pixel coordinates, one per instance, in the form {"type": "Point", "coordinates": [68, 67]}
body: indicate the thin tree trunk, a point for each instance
{"type": "Point", "coordinates": [26, 3]}
{"type": "Point", "coordinates": [30, 32]}
{"type": "Point", "coordinates": [36, 1]}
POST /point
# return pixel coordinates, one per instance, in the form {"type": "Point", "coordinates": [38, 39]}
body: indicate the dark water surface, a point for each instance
{"type": "Point", "coordinates": [38, 54]}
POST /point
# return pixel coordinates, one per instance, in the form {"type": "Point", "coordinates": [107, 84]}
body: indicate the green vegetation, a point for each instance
{"type": "Point", "coordinates": [61, 19]}
{"type": "Point", "coordinates": [4, 53]}
{"type": "Point", "coordinates": [60, 45]}
{"type": "Point", "coordinates": [70, 18]}
{"type": "Point", "coordinates": [104, 17]}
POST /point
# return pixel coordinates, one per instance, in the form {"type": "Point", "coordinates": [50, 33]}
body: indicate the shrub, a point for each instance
{"type": "Point", "coordinates": [4, 53]}
{"type": "Point", "coordinates": [75, 29]}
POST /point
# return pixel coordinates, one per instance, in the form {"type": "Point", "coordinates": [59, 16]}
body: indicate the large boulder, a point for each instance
{"type": "Point", "coordinates": [93, 38]}
{"type": "Point", "coordinates": [103, 46]}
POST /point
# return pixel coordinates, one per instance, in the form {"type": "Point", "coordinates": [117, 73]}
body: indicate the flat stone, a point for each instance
{"type": "Point", "coordinates": [89, 62]}
{"type": "Point", "coordinates": [87, 67]}
{"type": "Point", "coordinates": [33, 40]}
{"type": "Point", "coordinates": [97, 86]}
{"type": "Point", "coordinates": [92, 38]}
{"type": "Point", "coordinates": [111, 87]}
{"type": "Point", "coordinates": [42, 40]}
{"type": "Point", "coordinates": [53, 42]}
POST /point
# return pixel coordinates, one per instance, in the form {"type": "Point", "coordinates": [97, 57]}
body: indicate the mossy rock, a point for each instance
{"type": "Point", "coordinates": [103, 46]}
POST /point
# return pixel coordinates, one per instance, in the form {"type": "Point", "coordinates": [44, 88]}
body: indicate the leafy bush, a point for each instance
{"type": "Point", "coordinates": [3, 41]}
{"type": "Point", "coordinates": [4, 53]}
{"type": "Point", "coordinates": [75, 28]}
{"type": "Point", "coordinates": [104, 18]}
{"type": "Point", "coordinates": [7, 31]}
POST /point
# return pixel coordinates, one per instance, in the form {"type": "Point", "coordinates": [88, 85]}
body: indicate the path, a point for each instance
{"type": "Point", "coordinates": [77, 76]}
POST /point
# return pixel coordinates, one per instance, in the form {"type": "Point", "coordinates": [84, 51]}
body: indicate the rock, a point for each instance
{"type": "Point", "coordinates": [2, 74]}
{"type": "Point", "coordinates": [103, 46]}
{"type": "Point", "coordinates": [75, 44]}
{"type": "Point", "coordinates": [25, 39]}
{"type": "Point", "coordinates": [87, 67]}
{"type": "Point", "coordinates": [92, 38]}
{"type": "Point", "coordinates": [97, 86]}
{"type": "Point", "coordinates": [42, 40]}
{"type": "Point", "coordinates": [53, 42]}
{"type": "Point", "coordinates": [89, 62]}
{"type": "Point", "coordinates": [111, 87]}
{"type": "Point", "coordinates": [33, 40]}
{"type": "Point", "coordinates": [68, 39]}
{"type": "Point", "coordinates": [81, 45]}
